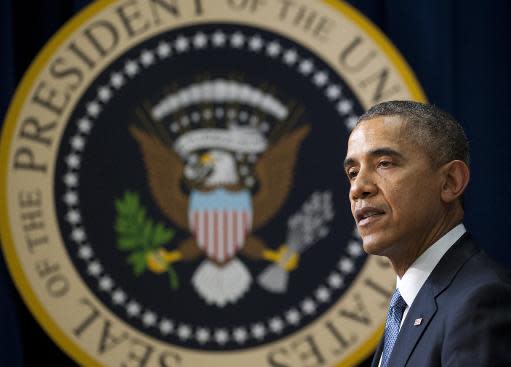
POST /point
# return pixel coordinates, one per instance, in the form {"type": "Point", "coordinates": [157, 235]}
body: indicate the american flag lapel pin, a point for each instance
{"type": "Point", "coordinates": [417, 322]}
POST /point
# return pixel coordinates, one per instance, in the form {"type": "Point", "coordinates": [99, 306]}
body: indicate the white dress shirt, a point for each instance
{"type": "Point", "coordinates": [417, 274]}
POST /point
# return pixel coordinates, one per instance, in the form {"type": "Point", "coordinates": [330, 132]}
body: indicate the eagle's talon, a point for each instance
{"type": "Point", "coordinates": [159, 260]}
{"type": "Point", "coordinates": [285, 258]}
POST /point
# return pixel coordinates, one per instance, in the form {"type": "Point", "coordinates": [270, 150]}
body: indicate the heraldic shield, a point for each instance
{"type": "Point", "coordinates": [220, 221]}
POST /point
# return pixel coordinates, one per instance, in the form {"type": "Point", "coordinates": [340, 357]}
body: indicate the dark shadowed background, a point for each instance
{"type": "Point", "coordinates": [459, 50]}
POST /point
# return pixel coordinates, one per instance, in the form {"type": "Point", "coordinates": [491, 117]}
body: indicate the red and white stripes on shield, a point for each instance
{"type": "Point", "coordinates": [220, 233]}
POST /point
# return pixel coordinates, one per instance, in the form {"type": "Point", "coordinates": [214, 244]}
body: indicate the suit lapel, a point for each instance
{"type": "Point", "coordinates": [424, 307]}
{"type": "Point", "coordinates": [377, 354]}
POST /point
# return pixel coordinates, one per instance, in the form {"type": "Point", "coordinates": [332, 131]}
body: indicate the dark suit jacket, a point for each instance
{"type": "Point", "coordinates": [465, 306]}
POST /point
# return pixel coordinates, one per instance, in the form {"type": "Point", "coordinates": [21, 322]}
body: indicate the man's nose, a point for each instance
{"type": "Point", "coordinates": [362, 186]}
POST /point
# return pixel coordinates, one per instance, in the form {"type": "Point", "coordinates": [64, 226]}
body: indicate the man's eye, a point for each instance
{"type": "Point", "coordinates": [385, 164]}
{"type": "Point", "coordinates": [352, 173]}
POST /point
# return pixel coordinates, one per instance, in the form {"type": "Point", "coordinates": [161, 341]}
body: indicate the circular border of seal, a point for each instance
{"type": "Point", "coordinates": [14, 266]}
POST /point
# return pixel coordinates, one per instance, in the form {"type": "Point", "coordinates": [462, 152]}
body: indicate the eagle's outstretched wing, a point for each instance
{"type": "Point", "coordinates": [164, 170]}
{"type": "Point", "coordinates": [275, 171]}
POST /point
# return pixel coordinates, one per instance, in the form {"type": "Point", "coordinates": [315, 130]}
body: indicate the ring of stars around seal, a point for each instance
{"type": "Point", "coordinates": [131, 68]}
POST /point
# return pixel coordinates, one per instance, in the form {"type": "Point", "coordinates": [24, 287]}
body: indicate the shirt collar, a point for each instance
{"type": "Point", "coordinates": [417, 274]}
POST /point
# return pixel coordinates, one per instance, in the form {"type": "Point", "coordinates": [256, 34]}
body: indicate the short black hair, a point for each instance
{"type": "Point", "coordinates": [441, 136]}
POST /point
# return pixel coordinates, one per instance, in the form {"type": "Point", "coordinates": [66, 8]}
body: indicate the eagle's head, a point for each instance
{"type": "Point", "coordinates": [213, 168]}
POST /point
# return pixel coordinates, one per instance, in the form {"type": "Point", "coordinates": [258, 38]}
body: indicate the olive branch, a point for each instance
{"type": "Point", "coordinates": [140, 235]}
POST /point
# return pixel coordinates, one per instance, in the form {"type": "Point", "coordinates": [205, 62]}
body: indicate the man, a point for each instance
{"type": "Point", "coordinates": [407, 164]}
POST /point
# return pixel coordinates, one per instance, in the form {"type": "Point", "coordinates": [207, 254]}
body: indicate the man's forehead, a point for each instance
{"type": "Point", "coordinates": [383, 125]}
{"type": "Point", "coordinates": [385, 136]}
{"type": "Point", "coordinates": [386, 131]}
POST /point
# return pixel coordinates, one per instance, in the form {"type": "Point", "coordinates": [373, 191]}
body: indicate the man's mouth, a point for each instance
{"type": "Point", "coordinates": [367, 215]}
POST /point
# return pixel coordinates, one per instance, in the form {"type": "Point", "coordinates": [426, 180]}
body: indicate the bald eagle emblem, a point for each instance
{"type": "Point", "coordinates": [219, 184]}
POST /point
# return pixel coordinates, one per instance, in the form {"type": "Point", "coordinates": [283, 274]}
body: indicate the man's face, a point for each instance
{"type": "Point", "coordinates": [395, 191]}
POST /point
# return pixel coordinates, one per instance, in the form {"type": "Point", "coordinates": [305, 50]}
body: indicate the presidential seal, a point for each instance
{"type": "Point", "coordinates": [172, 191]}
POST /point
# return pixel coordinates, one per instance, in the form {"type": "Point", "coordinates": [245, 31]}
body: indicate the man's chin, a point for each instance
{"type": "Point", "coordinates": [373, 246]}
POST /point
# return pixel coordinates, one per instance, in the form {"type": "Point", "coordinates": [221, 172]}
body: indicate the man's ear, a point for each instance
{"type": "Point", "coordinates": [456, 175]}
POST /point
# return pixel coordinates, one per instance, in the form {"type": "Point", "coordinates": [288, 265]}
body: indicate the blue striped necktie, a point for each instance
{"type": "Point", "coordinates": [396, 309]}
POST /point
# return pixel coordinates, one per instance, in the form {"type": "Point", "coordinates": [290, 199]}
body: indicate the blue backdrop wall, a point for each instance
{"type": "Point", "coordinates": [459, 50]}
